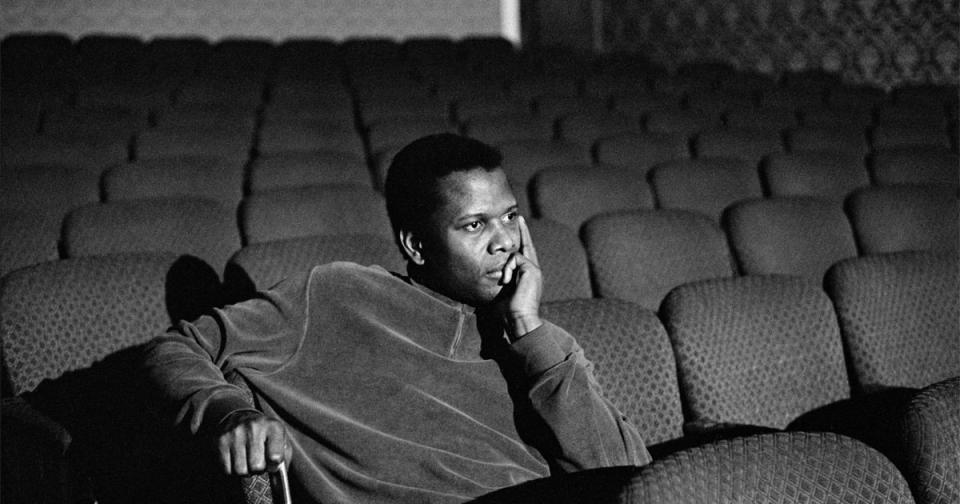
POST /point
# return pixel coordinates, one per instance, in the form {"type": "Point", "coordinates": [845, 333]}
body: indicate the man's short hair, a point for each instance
{"type": "Point", "coordinates": [411, 185]}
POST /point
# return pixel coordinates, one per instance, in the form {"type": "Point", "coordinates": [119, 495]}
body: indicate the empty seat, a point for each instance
{"type": "Point", "coordinates": [639, 152]}
{"type": "Point", "coordinates": [321, 111]}
{"type": "Point", "coordinates": [71, 332]}
{"type": "Point", "coordinates": [904, 217]}
{"type": "Point", "coordinates": [65, 315]}
{"type": "Point", "coordinates": [795, 96]}
{"type": "Point", "coordinates": [641, 105]}
{"type": "Point", "coordinates": [783, 467]}
{"type": "Point", "coordinates": [899, 318]}
{"type": "Point", "coordinates": [931, 439]}
{"type": "Point", "coordinates": [260, 266]}
{"type": "Point", "coordinates": [489, 105]}
{"type": "Point", "coordinates": [885, 137]}
{"type": "Point", "coordinates": [586, 128]}
{"type": "Point", "coordinates": [563, 260]}
{"type": "Point", "coordinates": [313, 210]}
{"type": "Point", "coordinates": [686, 122]}
{"type": "Point", "coordinates": [119, 122]}
{"type": "Point", "coordinates": [308, 136]}
{"type": "Point", "coordinates": [816, 116]}
{"type": "Point", "coordinates": [755, 350]}
{"type": "Point", "coordinates": [208, 117]}
{"type": "Point", "coordinates": [776, 119]}
{"type": "Point", "coordinates": [749, 145]}
{"type": "Point", "coordinates": [910, 114]}
{"type": "Point", "coordinates": [915, 165]}
{"type": "Point", "coordinates": [373, 110]}
{"type": "Point", "coordinates": [707, 186]}
{"type": "Point", "coordinates": [530, 87]}
{"type": "Point", "coordinates": [790, 236]}
{"type": "Point", "coordinates": [26, 238]}
{"type": "Point", "coordinates": [751, 83]}
{"type": "Point", "coordinates": [198, 227]}
{"type": "Point", "coordinates": [639, 256]}
{"type": "Point", "coordinates": [188, 176]}
{"type": "Point", "coordinates": [240, 93]}
{"type": "Point", "coordinates": [400, 131]}
{"type": "Point", "coordinates": [39, 150]}
{"type": "Point", "coordinates": [605, 86]}
{"type": "Point", "coordinates": [231, 145]}
{"type": "Point", "coordinates": [494, 129]}
{"type": "Point", "coordinates": [48, 190]}
{"type": "Point", "coordinates": [298, 169]}
{"type": "Point", "coordinates": [834, 139]}
{"type": "Point", "coordinates": [718, 103]}
{"type": "Point", "coordinates": [523, 158]}
{"type": "Point", "coordinates": [633, 359]}
{"type": "Point", "coordinates": [571, 194]}
{"type": "Point", "coordinates": [821, 174]}
{"type": "Point", "coordinates": [555, 107]}
{"type": "Point", "coordinates": [856, 97]}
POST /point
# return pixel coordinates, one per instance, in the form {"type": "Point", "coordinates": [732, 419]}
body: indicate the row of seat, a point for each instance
{"type": "Point", "coordinates": [633, 253]}
{"type": "Point", "coordinates": [757, 352]}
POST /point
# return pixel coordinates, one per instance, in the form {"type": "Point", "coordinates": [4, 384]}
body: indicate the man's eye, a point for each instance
{"type": "Point", "coordinates": [512, 216]}
{"type": "Point", "coordinates": [473, 226]}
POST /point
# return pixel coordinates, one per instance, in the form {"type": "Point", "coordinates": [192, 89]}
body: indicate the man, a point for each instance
{"type": "Point", "coordinates": [436, 386]}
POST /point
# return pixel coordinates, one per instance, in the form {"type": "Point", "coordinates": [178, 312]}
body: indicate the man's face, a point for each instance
{"type": "Point", "coordinates": [469, 238]}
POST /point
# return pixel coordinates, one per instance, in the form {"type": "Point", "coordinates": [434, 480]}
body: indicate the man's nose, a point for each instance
{"type": "Point", "coordinates": [503, 239]}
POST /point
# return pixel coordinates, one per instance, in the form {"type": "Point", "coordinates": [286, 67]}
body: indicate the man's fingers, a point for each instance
{"type": "Point", "coordinates": [276, 447]}
{"type": "Point", "coordinates": [256, 458]}
{"type": "Point", "coordinates": [238, 455]}
{"type": "Point", "coordinates": [526, 242]}
{"type": "Point", "coordinates": [508, 270]}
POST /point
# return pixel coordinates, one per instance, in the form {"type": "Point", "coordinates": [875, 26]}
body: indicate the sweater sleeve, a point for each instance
{"type": "Point", "coordinates": [587, 430]}
{"type": "Point", "coordinates": [187, 365]}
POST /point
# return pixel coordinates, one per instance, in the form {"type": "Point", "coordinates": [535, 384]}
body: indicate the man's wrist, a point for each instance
{"type": "Point", "coordinates": [521, 325]}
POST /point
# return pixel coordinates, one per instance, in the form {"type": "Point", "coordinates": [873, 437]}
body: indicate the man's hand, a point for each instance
{"type": "Point", "coordinates": [523, 286]}
{"type": "Point", "coordinates": [251, 442]}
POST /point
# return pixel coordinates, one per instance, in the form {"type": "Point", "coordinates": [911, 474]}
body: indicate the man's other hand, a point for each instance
{"type": "Point", "coordinates": [250, 442]}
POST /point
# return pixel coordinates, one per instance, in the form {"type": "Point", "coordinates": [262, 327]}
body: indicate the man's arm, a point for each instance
{"type": "Point", "coordinates": [187, 365]}
{"type": "Point", "coordinates": [587, 430]}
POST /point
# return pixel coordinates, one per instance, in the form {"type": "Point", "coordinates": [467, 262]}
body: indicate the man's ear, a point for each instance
{"type": "Point", "coordinates": [412, 247]}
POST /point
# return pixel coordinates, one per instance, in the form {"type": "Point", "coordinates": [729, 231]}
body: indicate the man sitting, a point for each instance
{"type": "Point", "coordinates": [440, 385]}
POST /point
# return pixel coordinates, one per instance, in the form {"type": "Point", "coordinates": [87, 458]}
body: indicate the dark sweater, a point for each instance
{"type": "Point", "coordinates": [395, 393]}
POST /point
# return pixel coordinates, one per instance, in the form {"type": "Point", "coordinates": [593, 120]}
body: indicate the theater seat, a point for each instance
{"type": "Point", "coordinates": [186, 176]}
{"type": "Point", "coordinates": [746, 144]}
{"type": "Point", "coordinates": [572, 194]}
{"type": "Point", "coordinates": [313, 210]}
{"type": "Point", "coordinates": [899, 317]}
{"type": "Point", "coordinates": [931, 434]}
{"type": "Point", "coordinates": [704, 185]}
{"type": "Point", "coordinates": [755, 350]}
{"type": "Point", "coordinates": [633, 361]}
{"type": "Point", "coordinates": [916, 165]}
{"type": "Point", "coordinates": [298, 169]}
{"type": "Point", "coordinates": [27, 238]}
{"type": "Point", "coordinates": [789, 236]}
{"type": "Point", "coordinates": [563, 261]}
{"type": "Point", "coordinates": [523, 158]}
{"type": "Point", "coordinates": [786, 467]}
{"type": "Point", "coordinates": [639, 152]}
{"type": "Point", "coordinates": [639, 256]}
{"type": "Point", "coordinates": [198, 227]}
{"type": "Point", "coordinates": [904, 217]}
{"type": "Point", "coordinates": [820, 174]}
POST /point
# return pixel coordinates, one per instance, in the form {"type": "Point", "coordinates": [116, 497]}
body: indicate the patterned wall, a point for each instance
{"type": "Point", "coordinates": [883, 42]}
{"type": "Point", "coordinates": [274, 19]}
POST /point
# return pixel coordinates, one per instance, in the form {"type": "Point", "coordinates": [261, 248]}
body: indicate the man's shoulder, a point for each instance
{"type": "Point", "coordinates": [342, 275]}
